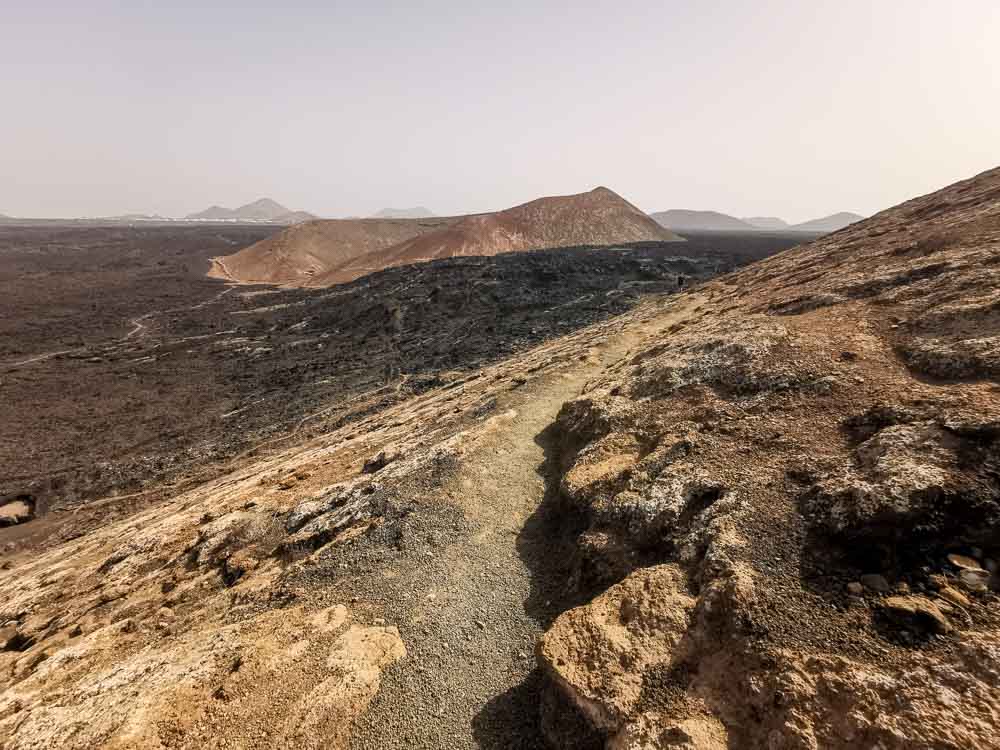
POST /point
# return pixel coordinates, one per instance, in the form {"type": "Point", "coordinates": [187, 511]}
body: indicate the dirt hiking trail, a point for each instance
{"type": "Point", "coordinates": [471, 618]}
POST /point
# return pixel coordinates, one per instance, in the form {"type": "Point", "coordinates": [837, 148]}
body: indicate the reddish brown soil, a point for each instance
{"type": "Point", "coordinates": [301, 253]}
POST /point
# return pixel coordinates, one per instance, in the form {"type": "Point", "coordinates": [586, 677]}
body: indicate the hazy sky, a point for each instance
{"type": "Point", "coordinates": [790, 108]}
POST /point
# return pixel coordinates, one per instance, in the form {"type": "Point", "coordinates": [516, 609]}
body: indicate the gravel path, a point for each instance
{"type": "Point", "coordinates": [471, 613]}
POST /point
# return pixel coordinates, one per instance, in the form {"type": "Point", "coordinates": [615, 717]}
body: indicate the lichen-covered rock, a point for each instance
{"type": "Point", "coordinates": [966, 358]}
{"type": "Point", "coordinates": [927, 701]}
{"type": "Point", "coordinates": [910, 477]}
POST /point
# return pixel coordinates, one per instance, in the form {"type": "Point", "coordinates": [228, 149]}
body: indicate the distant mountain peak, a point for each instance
{"type": "Point", "coordinates": [683, 219]}
{"type": "Point", "coordinates": [265, 204]}
{"type": "Point", "coordinates": [260, 210]}
{"type": "Point", "coordinates": [766, 223]}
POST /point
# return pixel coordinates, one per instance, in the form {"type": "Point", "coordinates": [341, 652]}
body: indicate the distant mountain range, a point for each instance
{"type": "Point", "coordinates": [830, 223]}
{"type": "Point", "coordinates": [706, 221]}
{"type": "Point", "coordinates": [138, 217]}
{"type": "Point", "coordinates": [267, 211]}
{"type": "Point", "coordinates": [767, 223]}
{"type": "Point", "coordinates": [417, 212]}
{"type": "Point", "coordinates": [262, 210]}
{"type": "Point", "coordinates": [681, 220]}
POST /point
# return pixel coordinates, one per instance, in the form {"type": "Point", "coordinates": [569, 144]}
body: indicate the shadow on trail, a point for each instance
{"type": "Point", "coordinates": [512, 719]}
{"type": "Point", "coordinates": [547, 546]}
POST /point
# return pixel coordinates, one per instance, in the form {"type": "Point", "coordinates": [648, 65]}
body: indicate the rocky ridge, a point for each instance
{"type": "Point", "coordinates": [792, 502]}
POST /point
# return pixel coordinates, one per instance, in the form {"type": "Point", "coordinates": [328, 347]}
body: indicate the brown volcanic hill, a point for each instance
{"type": "Point", "coordinates": [598, 217]}
{"type": "Point", "coordinates": [325, 253]}
{"type": "Point", "coordinates": [300, 253]}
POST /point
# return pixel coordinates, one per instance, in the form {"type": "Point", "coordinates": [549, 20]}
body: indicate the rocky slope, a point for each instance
{"type": "Point", "coordinates": [793, 502]}
{"type": "Point", "coordinates": [184, 383]}
{"type": "Point", "coordinates": [765, 515]}
{"type": "Point", "coordinates": [260, 609]}
{"type": "Point", "coordinates": [333, 252]}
